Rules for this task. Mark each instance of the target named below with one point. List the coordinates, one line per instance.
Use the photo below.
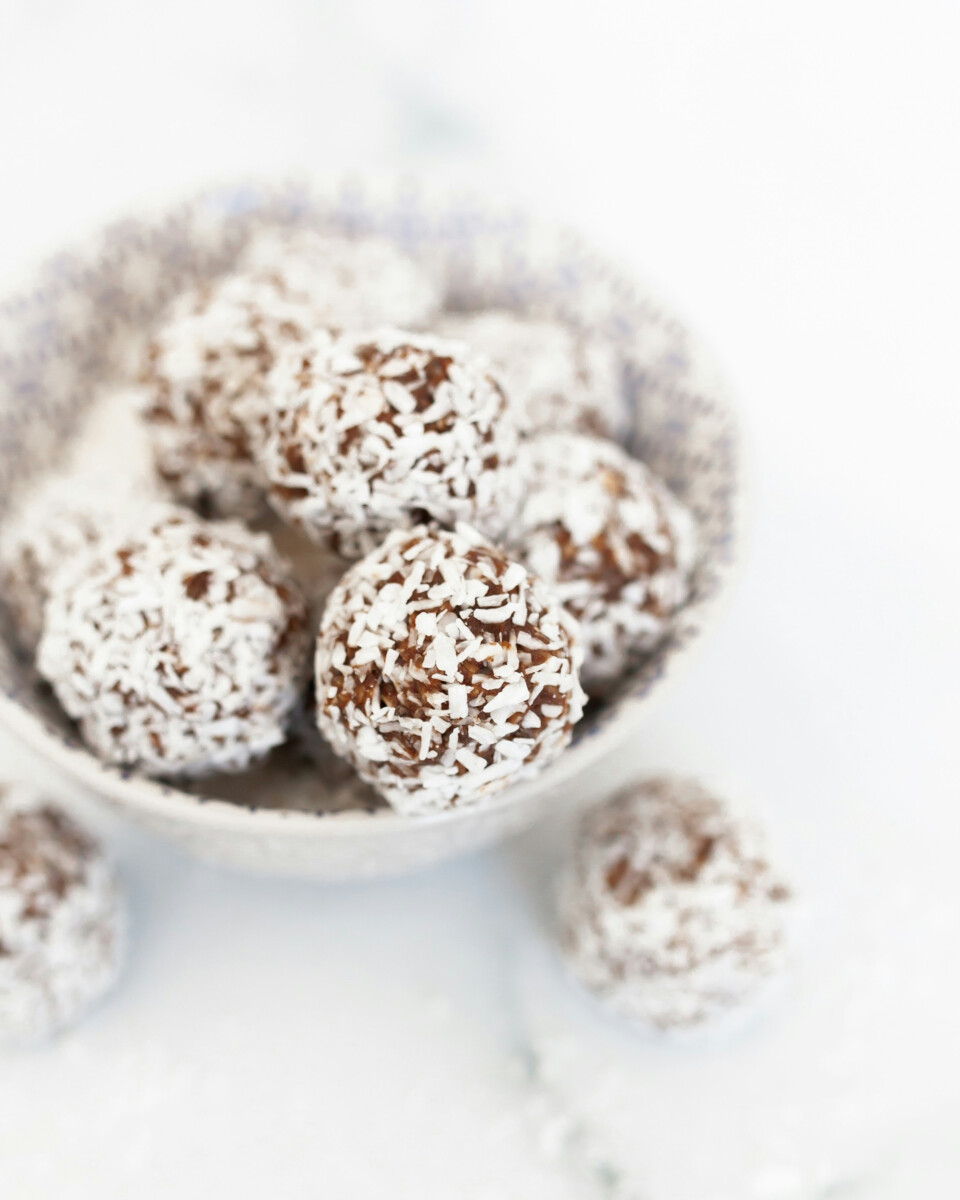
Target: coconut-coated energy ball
(204, 395)
(179, 650)
(670, 910)
(49, 532)
(348, 282)
(61, 919)
(377, 430)
(611, 539)
(445, 671)
(556, 377)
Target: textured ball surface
(555, 376)
(180, 650)
(445, 671)
(61, 922)
(347, 282)
(204, 395)
(670, 910)
(55, 528)
(613, 541)
(377, 430)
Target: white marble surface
(790, 176)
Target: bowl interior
(82, 324)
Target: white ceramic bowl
(79, 326)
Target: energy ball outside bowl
(180, 650)
(445, 671)
(557, 377)
(614, 542)
(377, 430)
(204, 396)
(348, 283)
(61, 919)
(670, 910)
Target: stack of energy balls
(485, 555)
(500, 556)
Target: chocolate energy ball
(181, 650)
(377, 430)
(61, 920)
(556, 377)
(445, 671)
(204, 395)
(670, 911)
(348, 283)
(613, 541)
(54, 528)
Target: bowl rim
(172, 805)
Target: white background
(788, 175)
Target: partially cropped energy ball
(444, 671)
(180, 650)
(377, 430)
(348, 282)
(204, 395)
(556, 377)
(61, 921)
(614, 542)
(671, 913)
(54, 529)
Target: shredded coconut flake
(347, 282)
(346, 463)
(432, 720)
(179, 650)
(61, 921)
(670, 910)
(57, 526)
(555, 376)
(613, 541)
(204, 391)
